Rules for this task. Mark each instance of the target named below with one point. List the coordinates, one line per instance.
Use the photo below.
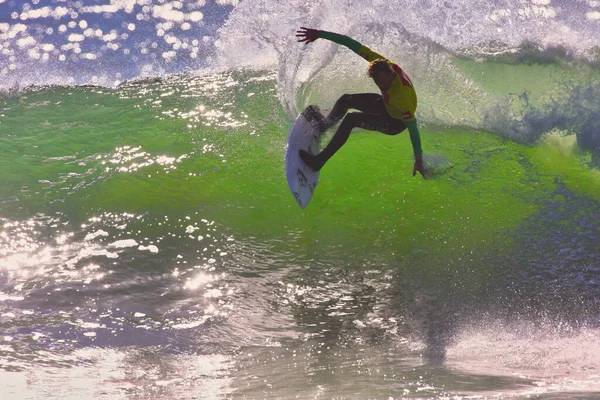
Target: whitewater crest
(83, 42)
(547, 52)
(79, 43)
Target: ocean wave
(85, 43)
(519, 69)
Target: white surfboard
(302, 180)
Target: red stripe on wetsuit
(403, 76)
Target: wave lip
(85, 43)
(88, 43)
(428, 40)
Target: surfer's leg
(316, 162)
(371, 103)
(375, 122)
(384, 124)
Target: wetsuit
(390, 113)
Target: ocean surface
(150, 247)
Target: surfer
(390, 112)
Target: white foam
(555, 356)
(151, 248)
(125, 243)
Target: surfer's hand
(307, 35)
(419, 167)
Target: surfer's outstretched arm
(308, 35)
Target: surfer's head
(382, 73)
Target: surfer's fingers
(421, 171)
(306, 40)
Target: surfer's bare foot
(311, 160)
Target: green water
(380, 270)
(82, 151)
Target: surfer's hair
(378, 66)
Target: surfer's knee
(352, 119)
(344, 101)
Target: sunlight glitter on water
(132, 159)
(87, 313)
(121, 374)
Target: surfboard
(302, 180)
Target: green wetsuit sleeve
(341, 39)
(415, 137)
